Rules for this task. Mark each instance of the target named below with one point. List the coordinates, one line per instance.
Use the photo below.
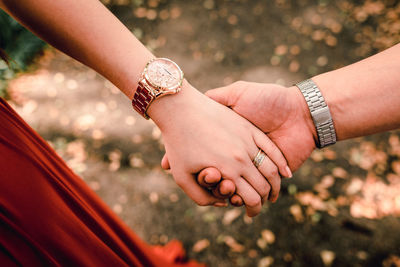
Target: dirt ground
(341, 208)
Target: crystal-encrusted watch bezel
(148, 90)
(157, 88)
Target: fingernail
(288, 172)
(205, 179)
(220, 204)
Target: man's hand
(280, 112)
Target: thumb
(165, 163)
(222, 95)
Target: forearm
(88, 32)
(364, 98)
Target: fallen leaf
(355, 186)
(294, 66)
(327, 257)
(362, 255)
(266, 261)
(339, 172)
(153, 197)
(201, 245)
(252, 253)
(326, 182)
(391, 261)
(233, 244)
(281, 50)
(329, 154)
(262, 243)
(231, 215)
(309, 199)
(268, 236)
(317, 156)
(297, 213)
(288, 257)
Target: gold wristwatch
(160, 77)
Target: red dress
(49, 216)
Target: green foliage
(21, 46)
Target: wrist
(336, 102)
(304, 114)
(165, 109)
(320, 113)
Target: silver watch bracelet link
(319, 112)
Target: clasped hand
(215, 145)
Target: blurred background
(341, 208)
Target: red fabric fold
(49, 216)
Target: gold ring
(259, 158)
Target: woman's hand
(200, 133)
(280, 112)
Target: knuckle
(273, 171)
(275, 184)
(240, 156)
(266, 190)
(264, 199)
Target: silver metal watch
(319, 112)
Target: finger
(252, 175)
(258, 181)
(250, 197)
(199, 194)
(209, 177)
(223, 95)
(225, 189)
(273, 153)
(271, 174)
(165, 163)
(236, 200)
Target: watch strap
(319, 112)
(142, 100)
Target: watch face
(164, 74)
